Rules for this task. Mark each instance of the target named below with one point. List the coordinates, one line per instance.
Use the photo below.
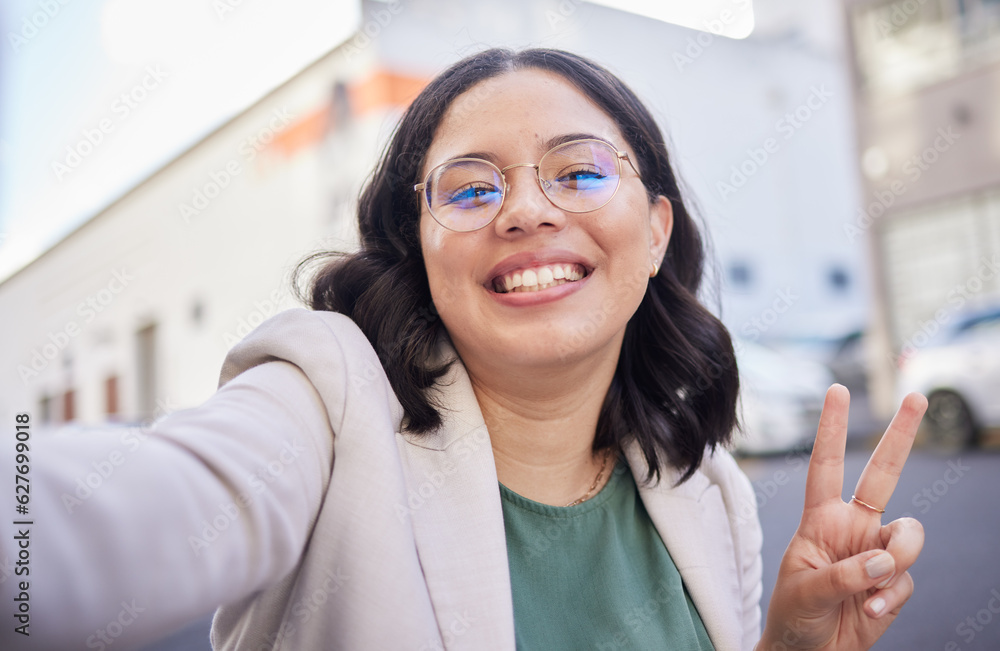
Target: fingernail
(880, 565)
(877, 605)
(886, 582)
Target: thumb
(848, 577)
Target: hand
(843, 578)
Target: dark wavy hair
(676, 384)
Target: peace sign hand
(843, 578)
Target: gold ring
(867, 505)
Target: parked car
(959, 372)
(781, 397)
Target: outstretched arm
(138, 532)
(843, 578)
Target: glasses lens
(465, 195)
(580, 176)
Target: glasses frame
(620, 155)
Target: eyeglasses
(466, 194)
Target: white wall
(147, 260)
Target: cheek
(626, 234)
(444, 263)
(627, 241)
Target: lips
(537, 278)
(533, 271)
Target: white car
(960, 375)
(781, 397)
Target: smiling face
(538, 286)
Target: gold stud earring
(656, 269)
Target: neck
(542, 424)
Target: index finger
(825, 479)
(878, 479)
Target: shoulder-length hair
(676, 384)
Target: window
(838, 279)
(905, 44)
(45, 409)
(69, 406)
(111, 397)
(740, 275)
(146, 370)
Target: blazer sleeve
(741, 505)
(138, 531)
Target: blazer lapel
(454, 504)
(692, 522)
(457, 517)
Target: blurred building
(130, 316)
(926, 80)
(132, 313)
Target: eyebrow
(555, 141)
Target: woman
(499, 428)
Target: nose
(525, 208)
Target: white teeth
(533, 280)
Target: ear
(661, 224)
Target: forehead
(513, 116)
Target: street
(956, 603)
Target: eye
(473, 195)
(581, 178)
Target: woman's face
(514, 119)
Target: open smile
(537, 278)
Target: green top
(596, 575)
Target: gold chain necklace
(593, 487)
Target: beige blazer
(292, 497)
(411, 527)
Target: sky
(95, 96)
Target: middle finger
(878, 479)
